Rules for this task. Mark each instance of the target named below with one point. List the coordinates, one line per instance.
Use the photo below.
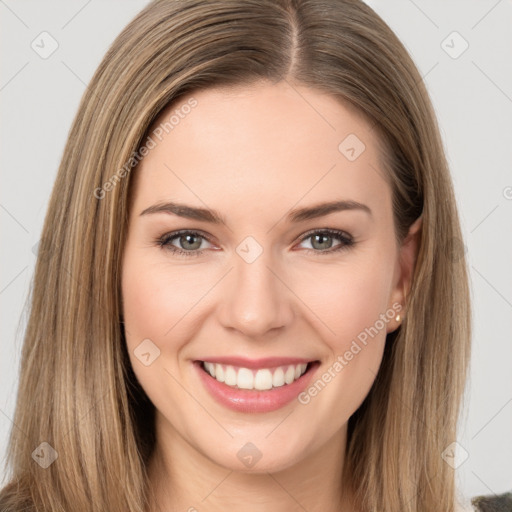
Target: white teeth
(278, 378)
(230, 376)
(245, 379)
(289, 376)
(211, 368)
(219, 372)
(261, 380)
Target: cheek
(348, 299)
(155, 305)
(144, 302)
(156, 298)
(352, 309)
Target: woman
(202, 348)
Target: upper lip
(265, 362)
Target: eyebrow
(297, 215)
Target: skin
(253, 154)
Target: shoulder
(493, 503)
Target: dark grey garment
(495, 503)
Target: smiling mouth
(260, 379)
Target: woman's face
(269, 289)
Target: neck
(183, 478)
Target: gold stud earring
(398, 318)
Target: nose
(255, 297)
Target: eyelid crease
(346, 238)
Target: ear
(404, 270)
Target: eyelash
(347, 242)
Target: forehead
(272, 143)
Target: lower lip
(248, 400)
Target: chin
(257, 457)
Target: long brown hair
(77, 391)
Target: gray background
(472, 95)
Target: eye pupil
(188, 243)
(322, 236)
(186, 238)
